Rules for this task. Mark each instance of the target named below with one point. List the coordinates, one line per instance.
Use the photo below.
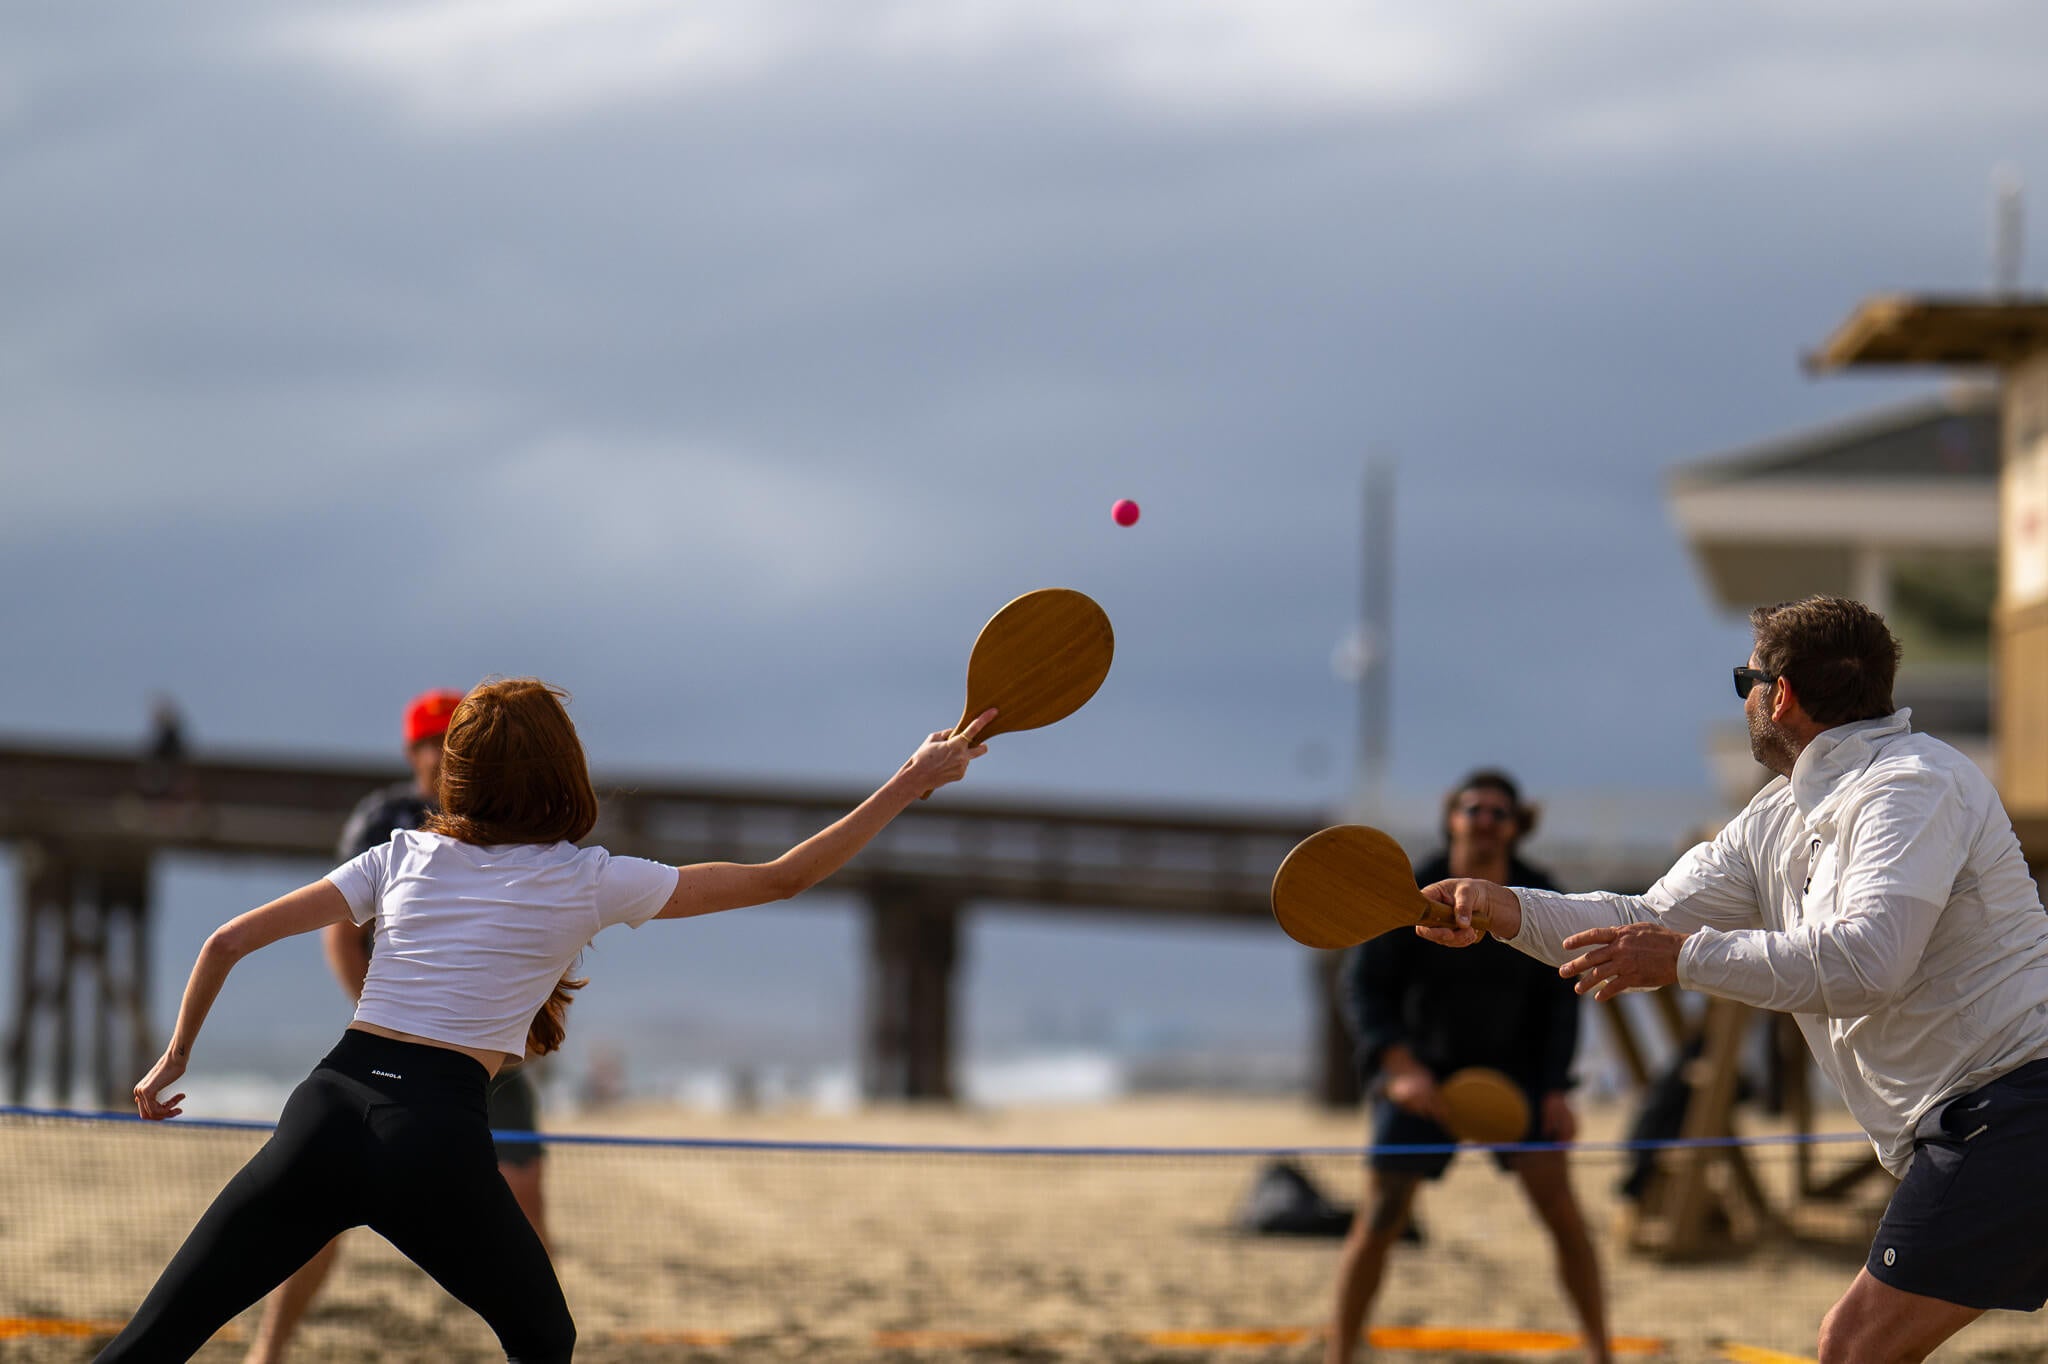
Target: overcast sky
(730, 362)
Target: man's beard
(1770, 745)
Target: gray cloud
(733, 347)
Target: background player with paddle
(1423, 1017)
(1877, 893)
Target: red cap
(427, 715)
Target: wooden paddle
(1037, 660)
(1481, 1104)
(1348, 883)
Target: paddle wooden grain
(1481, 1104)
(1037, 660)
(1347, 883)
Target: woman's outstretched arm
(302, 911)
(708, 887)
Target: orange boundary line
(1409, 1338)
(1751, 1354)
(1499, 1341)
(1382, 1337)
(12, 1328)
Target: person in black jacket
(1418, 1015)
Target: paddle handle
(1435, 915)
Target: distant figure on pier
(162, 772)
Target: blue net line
(959, 1149)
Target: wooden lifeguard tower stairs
(1707, 1198)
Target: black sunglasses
(1749, 679)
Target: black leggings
(389, 1134)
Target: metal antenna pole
(2007, 229)
(1376, 631)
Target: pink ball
(1125, 512)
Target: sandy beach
(743, 1253)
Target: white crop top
(471, 939)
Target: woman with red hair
(480, 914)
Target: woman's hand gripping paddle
(1037, 660)
(1345, 884)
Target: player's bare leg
(1874, 1323)
(525, 1183)
(1364, 1260)
(1546, 1179)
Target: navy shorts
(1969, 1223)
(1393, 1125)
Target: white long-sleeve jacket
(1879, 896)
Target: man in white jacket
(1877, 893)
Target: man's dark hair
(1838, 655)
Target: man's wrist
(1680, 976)
(1504, 914)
